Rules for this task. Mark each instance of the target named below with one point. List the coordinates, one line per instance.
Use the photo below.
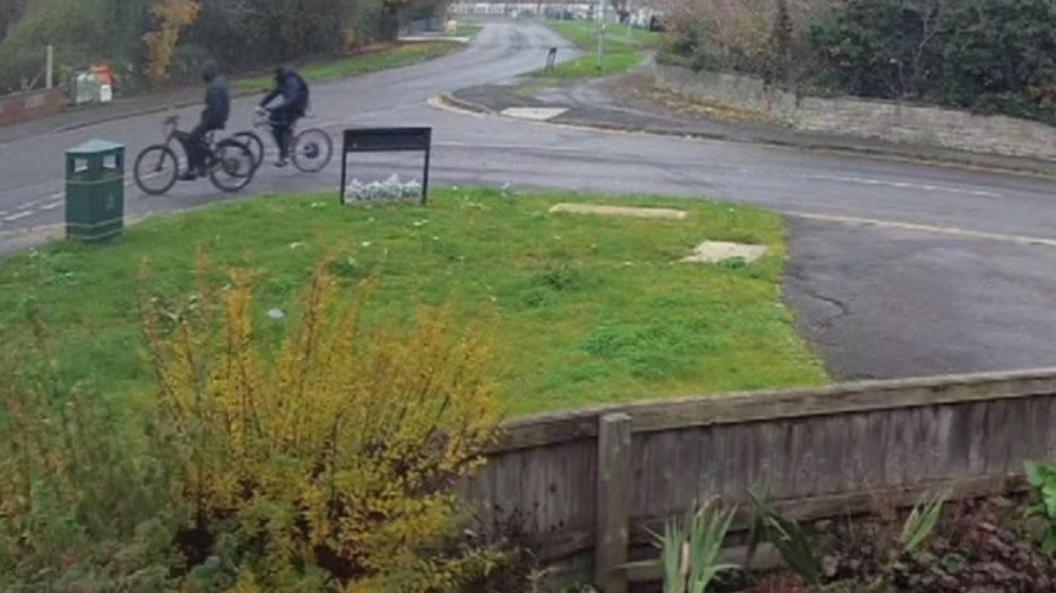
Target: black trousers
(282, 122)
(195, 146)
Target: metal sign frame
(387, 140)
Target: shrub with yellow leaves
(331, 460)
(173, 16)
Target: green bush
(83, 504)
(241, 34)
(82, 31)
(991, 56)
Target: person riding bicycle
(295, 94)
(214, 117)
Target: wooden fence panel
(820, 453)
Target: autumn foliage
(323, 464)
(173, 16)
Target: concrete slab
(713, 252)
(534, 113)
(620, 211)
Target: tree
(988, 55)
(173, 17)
(882, 48)
(1000, 56)
(10, 12)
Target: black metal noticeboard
(387, 140)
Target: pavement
(632, 103)
(900, 268)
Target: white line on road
(906, 185)
(51, 205)
(925, 228)
(29, 205)
(18, 216)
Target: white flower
(276, 314)
(389, 190)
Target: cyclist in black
(214, 117)
(294, 92)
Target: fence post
(49, 72)
(614, 502)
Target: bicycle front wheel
(312, 150)
(233, 166)
(254, 144)
(156, 169)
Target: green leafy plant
(690, 549)
(786, 535)
(922, 521)
(1043, 479)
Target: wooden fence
(590, 484)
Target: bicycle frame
(173, 132)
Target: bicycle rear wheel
(312, 150)
(232, 167)
(156, 169)
(254, 144)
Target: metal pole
(50, 68)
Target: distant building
(566, 10)
(640, 17)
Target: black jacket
(294, 92)
(217, 104)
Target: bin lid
(94, 147)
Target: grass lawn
(468, 28)
(394, 56)
(583, 310)
(625, 49)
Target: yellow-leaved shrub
(173, 16)
(329, 461)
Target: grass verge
(625, 48)
(583, 310)
(468, 28)
(394, 56)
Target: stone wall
(864, 118)
(27, 106)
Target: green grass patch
(468, 29)
(395, 56)
(587, 66)
(583, 310)
(618, 38)
(625, 49)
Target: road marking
(51, 205)
(29, 205)
(18, 216)
(925, 228)
(906, 185)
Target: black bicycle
(310, 150)
(229, 162)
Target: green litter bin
(95, 191)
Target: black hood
(210, 71)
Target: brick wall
(27, 106)
(863, 118)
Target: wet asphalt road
(899, 269)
